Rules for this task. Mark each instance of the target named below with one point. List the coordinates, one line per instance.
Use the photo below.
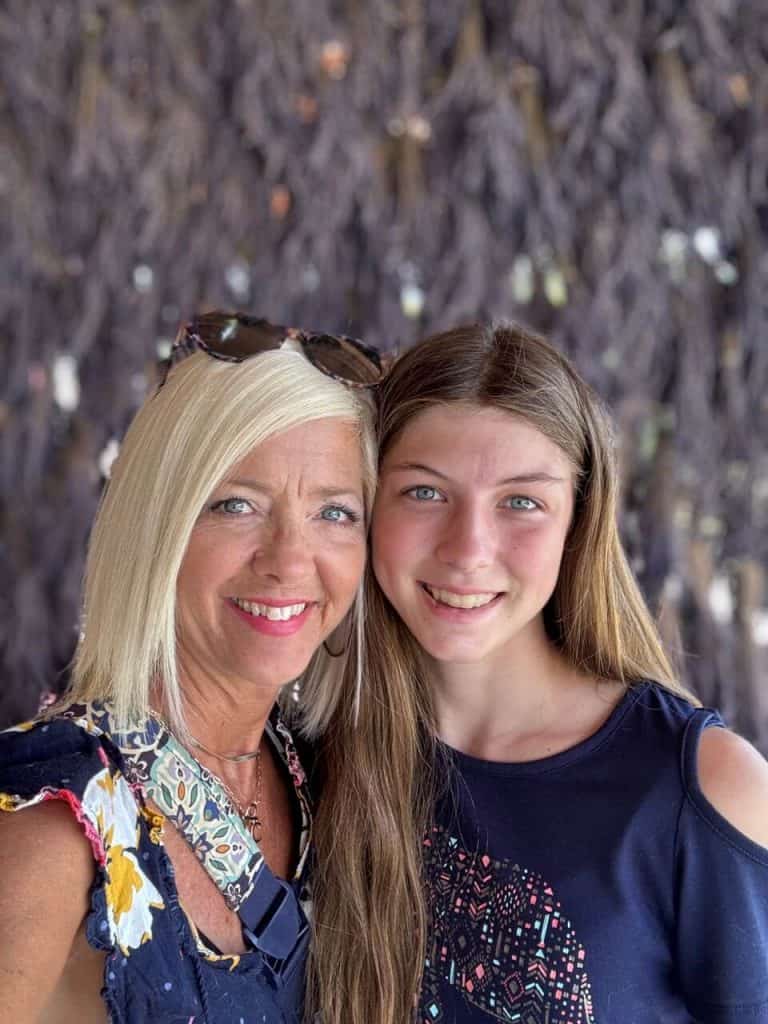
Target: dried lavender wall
(597, 169)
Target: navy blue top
(597, 886)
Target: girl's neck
(523, 704)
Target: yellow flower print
(131, 896)
(8, 802)
(123, 878)
(107, 782)
(156, 824)
(128, 904)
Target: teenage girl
(592, 842)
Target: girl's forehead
(488, 440)
(453, 422)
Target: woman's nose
(286, 555)
(467, 540)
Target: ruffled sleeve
(55, 760)
(64, 760)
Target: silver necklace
(248, 812)
(232, 758)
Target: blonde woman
(154, 861)
(593, 842)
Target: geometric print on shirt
(499, 938)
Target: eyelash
(352, 516)
(410, 492)
(218, 506)
(523, 497)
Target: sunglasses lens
(237, 337)
(343, 358)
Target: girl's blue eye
(232, 506)
(520, 504)
(424, 493)
(339, 514)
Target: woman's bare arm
(46, 870)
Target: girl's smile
(471, 517)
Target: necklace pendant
(252, 820)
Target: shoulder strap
(701, 719)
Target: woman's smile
(273, 619)
(276, 556)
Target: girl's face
(469, 525)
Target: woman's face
(469, 525)
(275, 558)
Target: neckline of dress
(192, 798)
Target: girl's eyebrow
(536, 477)
(419, 466)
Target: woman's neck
(225, 719)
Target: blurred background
(597, 170)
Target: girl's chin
(463, 652)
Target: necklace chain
(249, 812)
(232, 758)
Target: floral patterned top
(158, 967)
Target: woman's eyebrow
(337, 492)
(535, 477)
(247, 485)
(340, 491)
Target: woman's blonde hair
(381, 771)
(182, 442)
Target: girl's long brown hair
(380, 771)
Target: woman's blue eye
(232, 506)
(339, 514)
(521, 504)
(424, 493)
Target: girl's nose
(467, 541)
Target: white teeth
(269, 611)
(460, 600)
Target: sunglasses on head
(233, 337)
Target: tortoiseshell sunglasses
(234, 337)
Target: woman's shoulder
(69, 758)
(51, 752)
